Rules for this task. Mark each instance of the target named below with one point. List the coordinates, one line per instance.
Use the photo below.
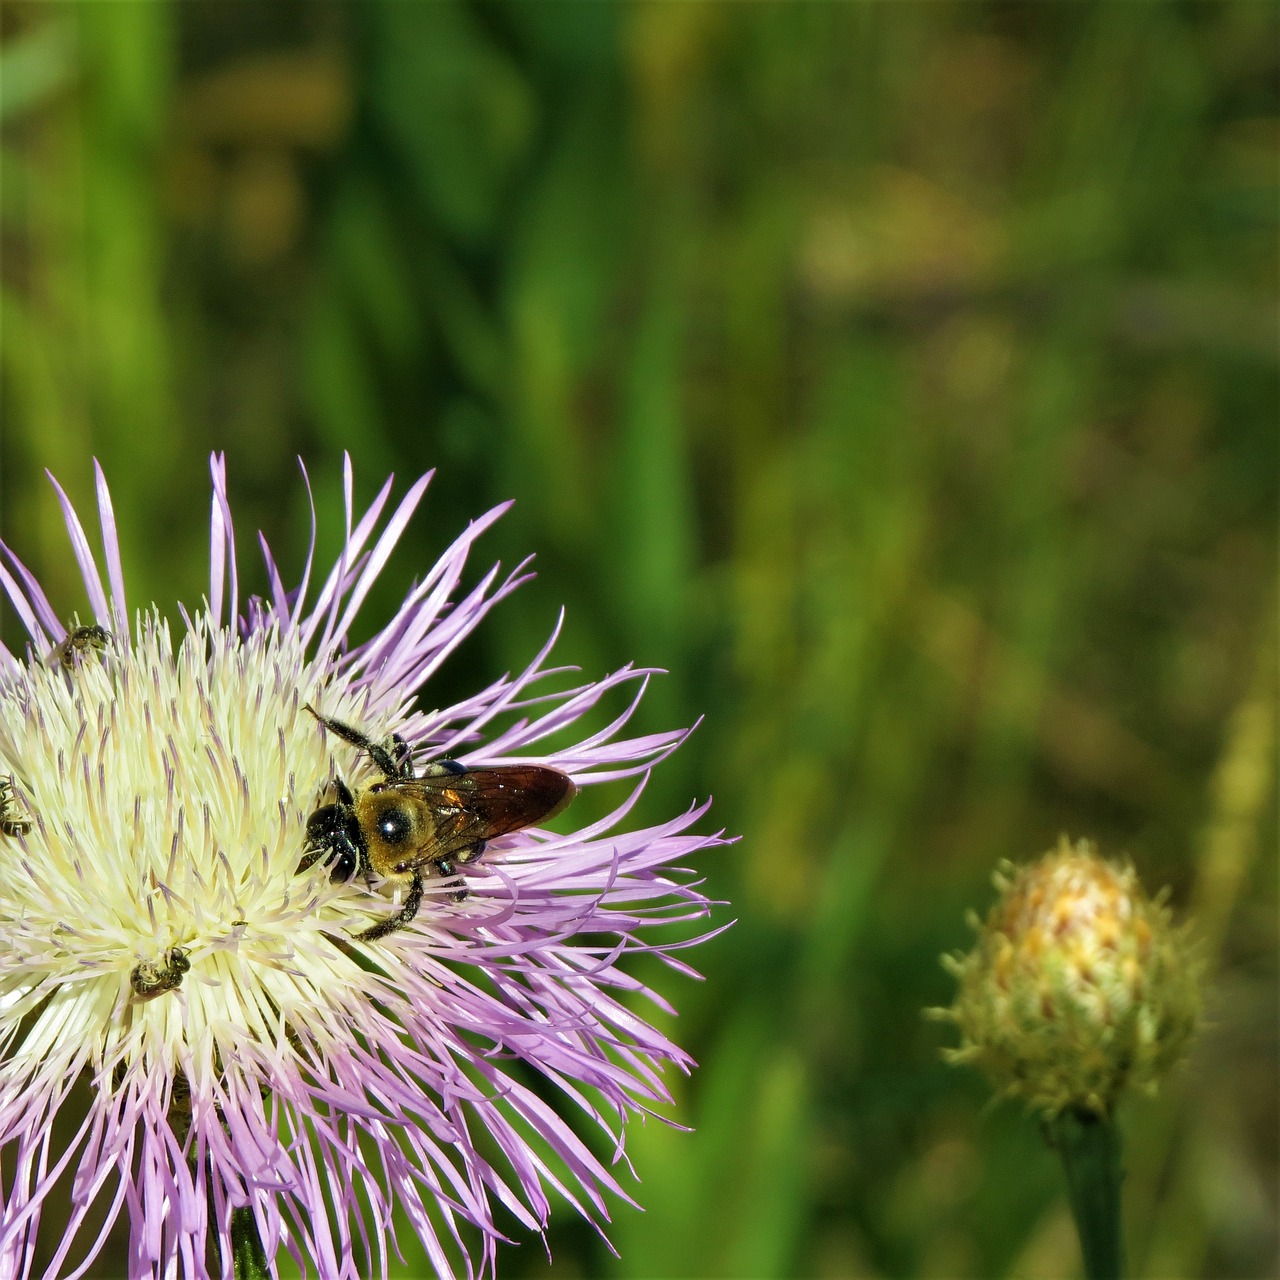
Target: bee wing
(474, 806)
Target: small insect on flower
(149, 979)
(81, 642)
(12, 822)
(260, 992)
(406, 827)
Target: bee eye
(394, 826)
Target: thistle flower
(1078, 987)
(168, 946)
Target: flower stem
(1089, 1146)
(247, 1254)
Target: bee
(406, 827)
(12, 823)
(149, 979)
(80, 642)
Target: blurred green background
(901, 376)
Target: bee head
(334, 835)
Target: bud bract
(1078, 986)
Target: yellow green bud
(1078, 987)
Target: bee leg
(412, 902)
(447, 869)
(378, 754)
(403, 755)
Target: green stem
(247, 1254)
(1089, 1146)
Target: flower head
(1078, 986)
(173, 941)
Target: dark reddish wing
(470, 808)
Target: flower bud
(1078, 987)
